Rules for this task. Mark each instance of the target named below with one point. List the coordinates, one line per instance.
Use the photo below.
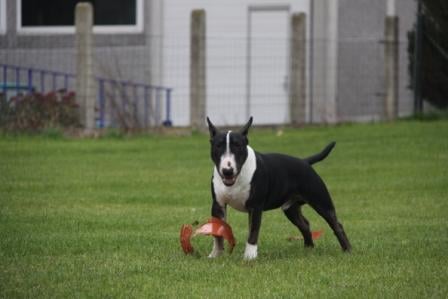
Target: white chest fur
(237, 194)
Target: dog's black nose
(227, 172)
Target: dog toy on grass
(214, 227)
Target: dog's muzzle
(228, 176)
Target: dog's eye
(238, 145)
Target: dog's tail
(320, 156)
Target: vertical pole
(30, 80)
(324, 82)
(331, 84)
(102, 100)
(5, 78)
(145, 96)
(85, 81)
(157, 106)
(17, 77)
(168, 122)
(54, 79)
(135, 104)
(311, 63)
(197, 70)
(248, 63)
(66, 82)
(297, 104)
(124, 96)
(418, 40)
(42, 82)
(391, 68)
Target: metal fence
(147, 76)
(130, 96)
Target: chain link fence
(143, 80)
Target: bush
(37, 111)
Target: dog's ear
(211, 128)
(245, 129)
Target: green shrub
(37, 111)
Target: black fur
(279, 181)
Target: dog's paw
(218, 248)
(250, 253)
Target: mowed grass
(101, 218)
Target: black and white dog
(252, 182)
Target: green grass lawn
(101, 218)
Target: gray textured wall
(124, 55)
(361, 58)
(358, 66)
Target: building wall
(124, 55)
(361, 59)
(345, 65)
(361, 83)
(227, 58)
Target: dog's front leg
(218, 242)
(251, 250)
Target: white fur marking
(228, 142)
(228, 158)
(288, 204)
(250, 252)
(237, 194)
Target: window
(56, 16)
(2, 16)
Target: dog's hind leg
(294, 214)
(329, 214)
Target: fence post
(197, 70)
(417, 80)
(391, 67)
(297, 85)
(85, 81)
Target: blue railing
(25, 79)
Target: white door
(267, 67)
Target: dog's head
(229, 151)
